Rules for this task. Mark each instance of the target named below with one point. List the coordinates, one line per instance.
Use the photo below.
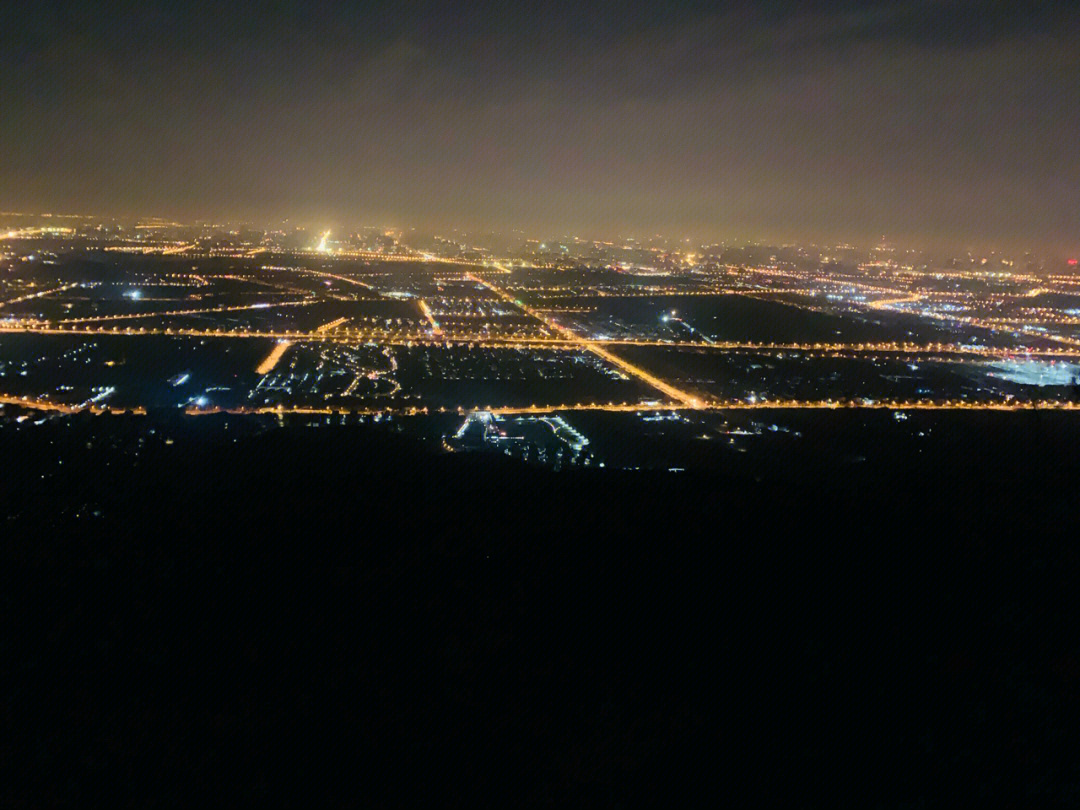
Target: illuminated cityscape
(539, 404)
(107, 318)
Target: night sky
(929, 122)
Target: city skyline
(338, 232)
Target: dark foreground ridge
(341, 617)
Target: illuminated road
(554, 343)
(661, 386)
(665, 388)
(169, 248)
(661, 292)
(177, 312)
(332, 325)
(42, 294)
(272, 359)
(426, 312)
(887, 303)
(39, 404)
(654, 407)
(324, 274)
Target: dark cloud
(929, 120)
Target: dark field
(251, 614)
(140, 369)
(747, 375)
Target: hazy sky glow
(931, 121)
